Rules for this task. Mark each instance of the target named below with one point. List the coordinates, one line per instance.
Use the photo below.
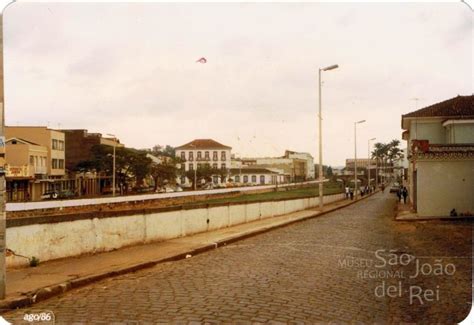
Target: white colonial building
(441, 157)
(201, 152)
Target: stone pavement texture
(336, 268)
(24, 284)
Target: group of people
(363, 191)
(402, 192)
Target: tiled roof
(246, 170)
(460, 106)
(203, 144)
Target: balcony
(41, 170)
(24, 171)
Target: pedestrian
(399, 194)
(383, 188)
(351, 193)
(405, 194)
(347, 192)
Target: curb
(44, 293)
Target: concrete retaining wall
(48, 241)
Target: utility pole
(2, 174)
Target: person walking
(347, 192)
(405, 194)
(351, 193)
(399, 194)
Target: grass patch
(329, 188)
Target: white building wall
(443, 186)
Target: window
(191, 156)
(223, 166)
(246, 179)
(60, 145)
(214, 155)
(36, 161)
(55, 164)
(32, 160)
(191, 166)
(183, 179)
(182, 166)
(254, 179)
(215, 179)
(262, 179)
(198, 166)
(55, 144)
(222, 155)
(61, 163)
(199, 156)
(237, 179)
(183, 155)
(214, 166)
(206, 155)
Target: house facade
(52, 166)
(53, 140)
(26, 164)
(201, 152)
(310, 171)
(256, 176)
(440, 148)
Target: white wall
(64, 239)
(22, 206)
(444, 185)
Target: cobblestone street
(334, 268)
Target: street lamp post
(355, 156)
(368, 162)
(113, 164)
(320, 171)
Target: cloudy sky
(130, 70)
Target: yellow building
(26, 162)
(35, 160)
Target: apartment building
(25, 163)
(53, 140)
(79, 145)
(440, 145)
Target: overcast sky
(130, 70)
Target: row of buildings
(291, 167)
(39, 160)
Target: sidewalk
(405, 212)
(26, 286)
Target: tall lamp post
(113, 164)
(368, 162)
(2, 176)
(320, 172)
(355, 156)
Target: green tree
(329, 172)
(202, 173)
(164, 172)
(130, 164)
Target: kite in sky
(202, 60)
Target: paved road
(322, 270)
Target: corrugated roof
(460, 106)
(203, 144)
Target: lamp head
(331, 67)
